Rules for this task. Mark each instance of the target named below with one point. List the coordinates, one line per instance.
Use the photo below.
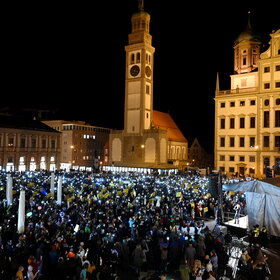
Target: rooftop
(22, 123)
(164, 121)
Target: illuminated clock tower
(139, 75)
(139, 144)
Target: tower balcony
(242, 91)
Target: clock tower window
(147, 89)
(132, 58)
(138, 57)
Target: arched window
(132, 58)
(138, 57)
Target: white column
(59, 190)
(21, 212)
(9, 190)
(52, 184)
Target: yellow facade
(247, 117)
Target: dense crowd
(113, 227)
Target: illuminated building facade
(28, 145)
(83, 146)
(247, 117)
(144, 142)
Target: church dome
(248, 35)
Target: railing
(228, 216)
(237, 91)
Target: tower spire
(217, 83)
(141, 5)
(249, 20)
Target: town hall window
(242, 122)
(277, 141)
(222, 123)
(277, 118)
(266, 141)
(231, 123)
(252, 122)
(266, 118)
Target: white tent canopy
(263, 203)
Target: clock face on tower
(134, 70)
(148, 71)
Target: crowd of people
(112, 227)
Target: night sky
(70, 57)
